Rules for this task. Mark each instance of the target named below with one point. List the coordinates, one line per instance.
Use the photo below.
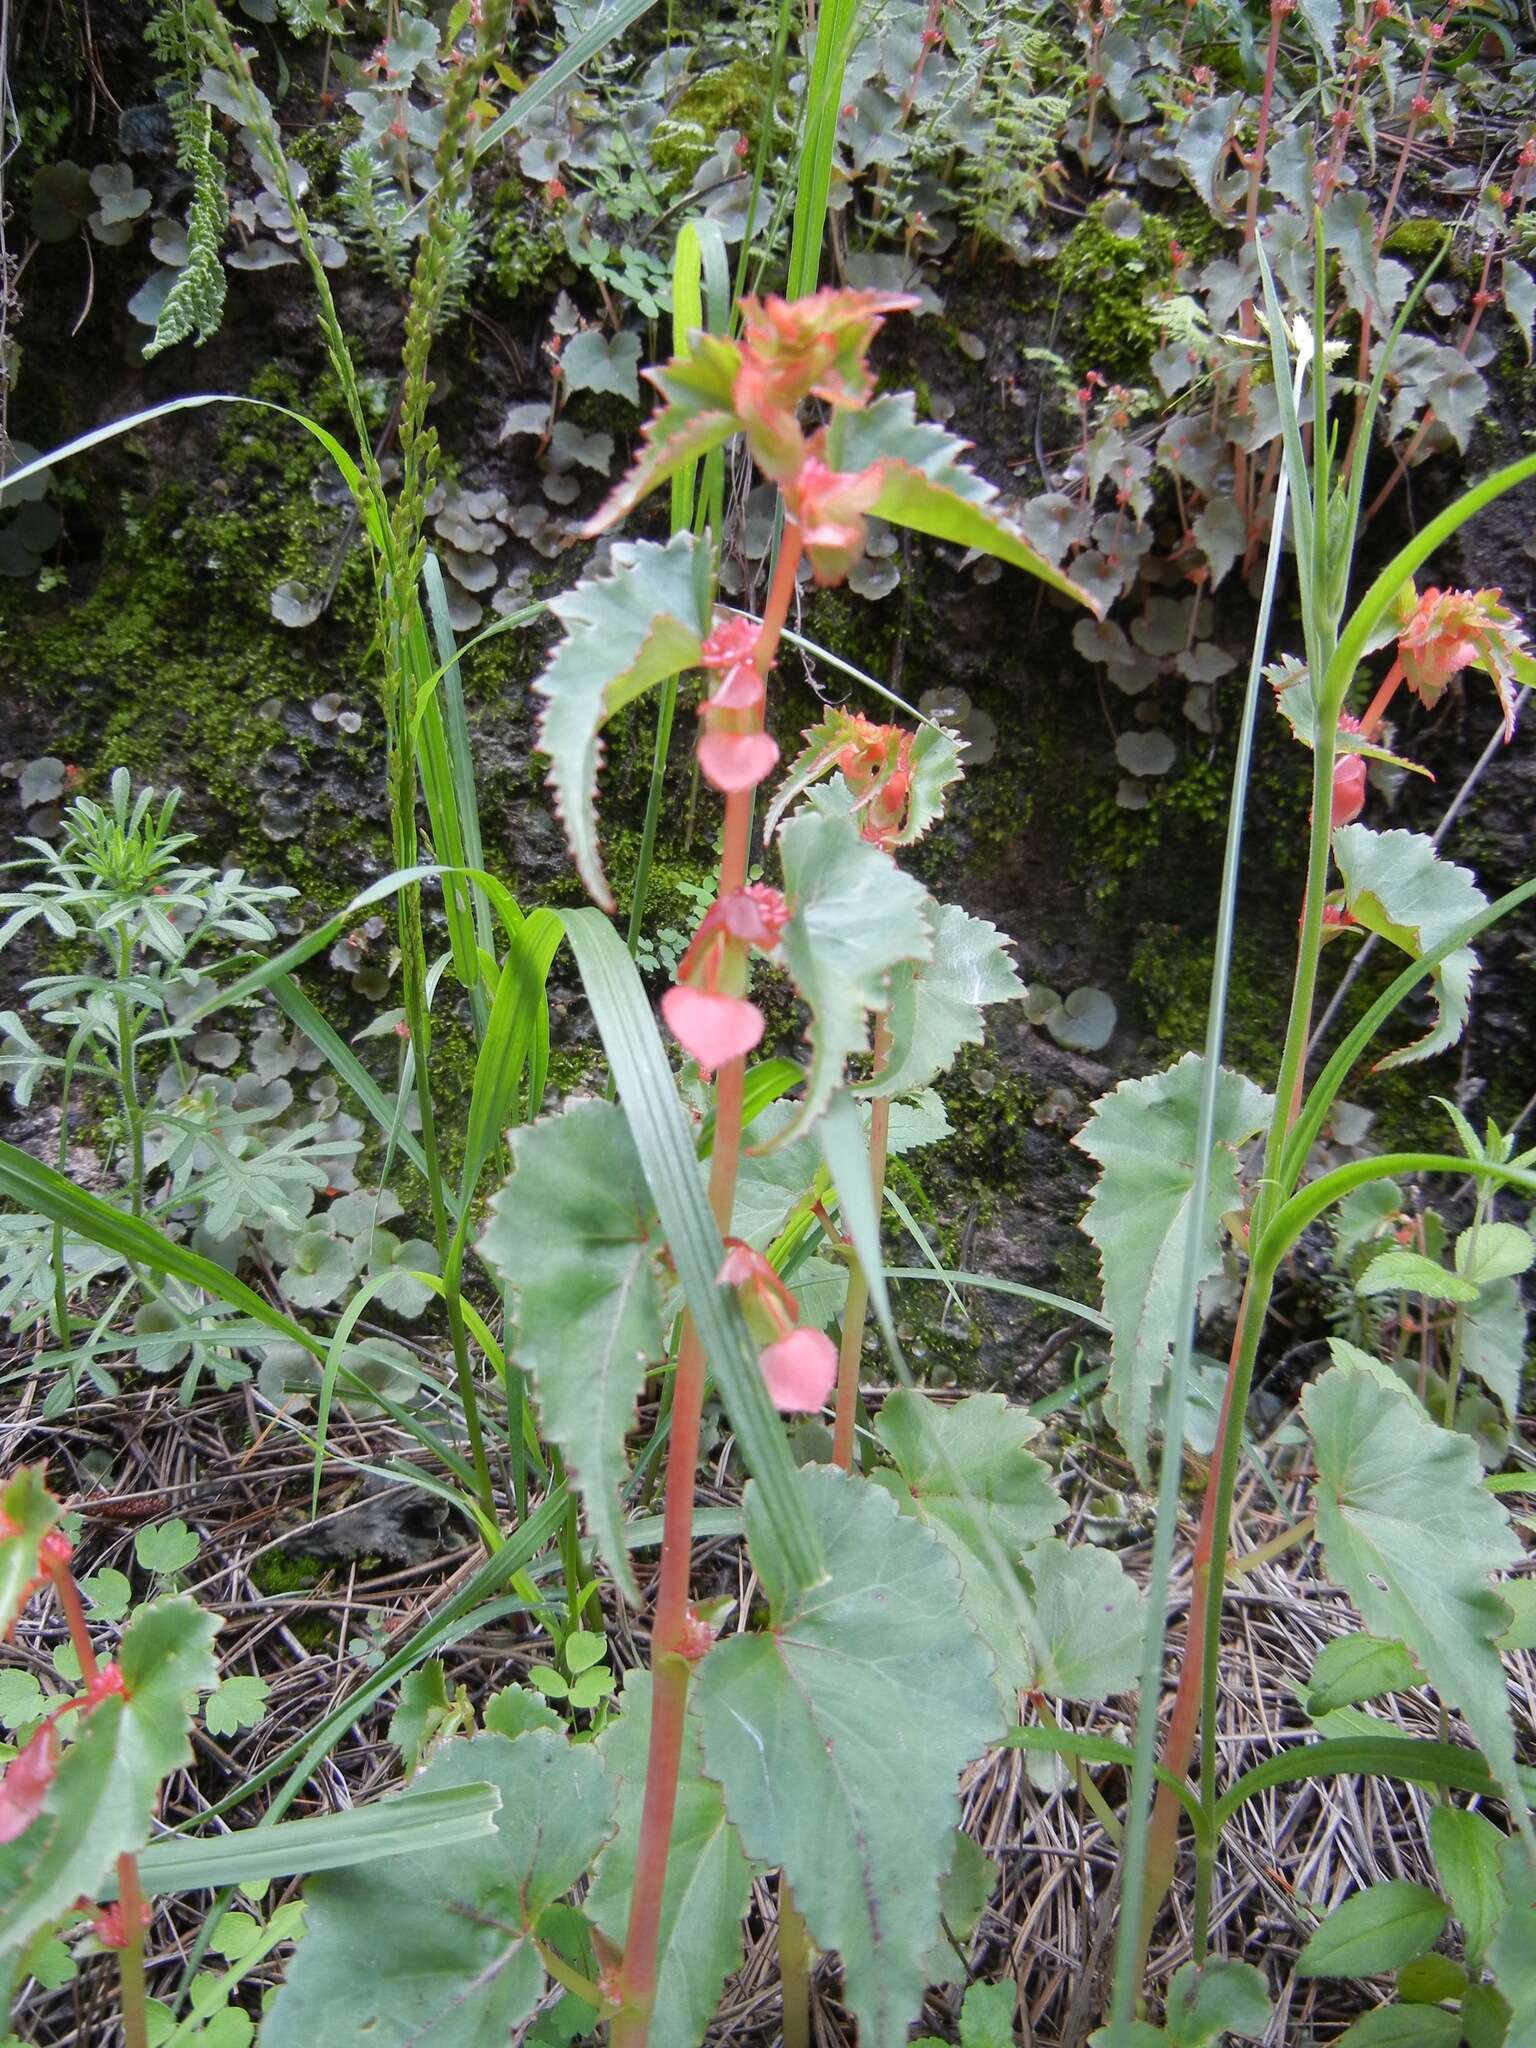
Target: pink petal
(25, 1781)
(734, 761)
(713, 1028)
(1349, 775)
(801, 1371)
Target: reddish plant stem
(129, 1892)
(669, 1669)
(1377, 708)
(130, 1965)
(858, 1287)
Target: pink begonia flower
(1349, 777)
(755, 915)
(828, 506)
(24, 1782)
(741, 689)
(733, 761)
(712, 1028)
(1450, 630)
(800, 1371)
(731, 640)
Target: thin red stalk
(129, 1892)
(858, 1287)
(130, 1964)
(669, 1669)
(1376, 710)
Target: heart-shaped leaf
(571, 1235)
(435, 1950)
(871, 1681)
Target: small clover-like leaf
(624, 632)
(1396, 885)
(570, 1235)
(1206, 2002)
(592, 361)
(239, 1702)
(165, 1547)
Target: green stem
(127, 1079)
(794, 1970)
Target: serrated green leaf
(570, 1233)
(110, 1594)
(1090, 1615)
(1357, 1667)
(1493, 1251)
(514, 1711)
(239, 1702)
(1374, 1930)
(1400, 1271)
(708, 1882)
(1430, 1980)
(936, 1004)
(30, 1511)
(623, 632)
(377, 1970)
(1143, 1137)
(853, 918)
(1396, 885)
(966, 1465)
(1511, 1950)
(1403, 2026)
(986, 2016)
(102, 1798)
(968, 1886)
(698, 415)
(22, 1700)
(1412, 1534)
(927, 487)
(1493, 1330)
(1206, 2003)
(872, 1680)
(1467, 1847)
(424, 1706)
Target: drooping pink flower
(110, 1926)
(734, 761)
(731, 640)
(828, 506)
(755, 915)
(1349, 778)
(800, 1371)
(1450, 630)
(24, 1782)
(713, 1028)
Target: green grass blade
(384, 1110)
(31, 1185)
(823, 102)
(845, 1148)
(456, 728)
(670, 1163)
(1078, 1309)
(1382, 1756)
(411, 1824)
(621, 15)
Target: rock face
(158, 646)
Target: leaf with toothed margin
(699, 414)
(1143, 1137)
(927, 487)
(1397, 886)
(624, 632)
(1293, 699)
(936, 1005)
(101, 1802)
(854, 917)
(571, 1235)
(933, 763)
(708, 1883)
(839, 1733)
(29, 1511)
(1412, 1534)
